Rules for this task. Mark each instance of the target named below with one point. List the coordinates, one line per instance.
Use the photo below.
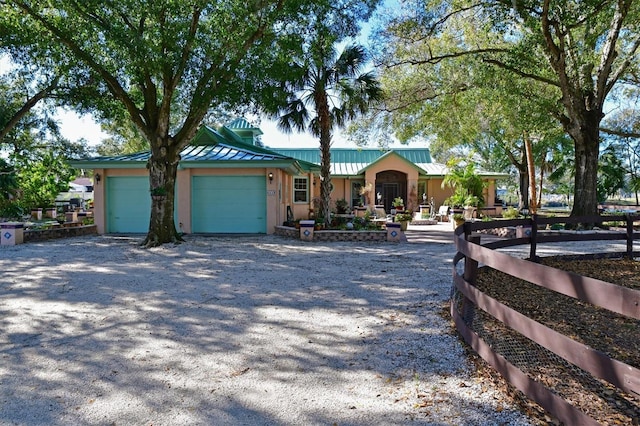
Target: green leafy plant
(466, 183)
(472, 200)
(398, 202)
(403, 217)
(511, 213)
(342, 206)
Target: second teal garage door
(229, 204)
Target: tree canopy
(579, 49)
(331, 89)
(165, 64)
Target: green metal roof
(356, 155)
(242, 124)
(209, 148)
(353, 162)
(232, 146)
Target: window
(300, 190)
(356, 198)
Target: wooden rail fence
(621, 300)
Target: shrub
(511, 213)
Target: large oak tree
(166, 63)
(579, 48)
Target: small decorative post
(394, 232)
(36, 214)
(11, 233)
(306, 229)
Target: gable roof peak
(242, 124)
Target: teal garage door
(128, 204)
(229, 204)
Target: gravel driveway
(253, 330)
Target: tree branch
(205, 88)
(621, 133)
(111, 81)
(609, 50)
(31, 102)
(437, 59)
(521, 73)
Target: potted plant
(342, 206)
(398, 203)
(458, 219)
(404, 219)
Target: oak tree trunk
(163, 167)
(584, 129)
(585, 201)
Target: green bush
(511, 213)
(11, 210)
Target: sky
(74, 127)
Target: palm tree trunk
(324, 119)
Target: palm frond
(295, 117)
(350, 61)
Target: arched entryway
(391, 184)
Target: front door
(389, 192)
(391, 184)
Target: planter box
(394, 233)
(71, 216)
(52, 213)
(11, 233)
(306, 229)
(36, 214)
(360, 211)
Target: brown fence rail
(470, 308)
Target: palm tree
(330, 90)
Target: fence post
(471, 265)
(629, 235)
(534, 236)
(470, 275)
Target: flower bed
(334, 235)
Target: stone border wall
(59, 232)
(334, 235)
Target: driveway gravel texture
(234, 330)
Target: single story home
(227, 182)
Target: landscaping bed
(63, 231)
(334, 235)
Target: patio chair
(380, 217)
(443, 214)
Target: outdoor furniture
(443, 214)
(380, 217)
